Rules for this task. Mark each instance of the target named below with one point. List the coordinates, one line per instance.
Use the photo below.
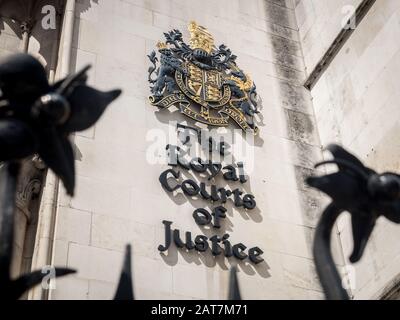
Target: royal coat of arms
(203, 81)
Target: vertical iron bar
(325, 265)
(8, 186)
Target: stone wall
(356, 104)
(119, 199)
(319, 23)
(9, 41)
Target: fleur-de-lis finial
(362, 192)
(37, 118)
(234, 291)
(125, 285)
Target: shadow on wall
(198, 258)
(165, 116)
(296, 105)
(226, 227)
(12, 15)
(198, 202)
(207, 259)
(85, 5)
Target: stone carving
(203, 81)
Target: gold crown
(161, 45)
(200, 37)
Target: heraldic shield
(203, 81)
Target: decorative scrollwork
(203, 81)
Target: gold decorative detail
(243, 85)
(200, 38)
(161, 45)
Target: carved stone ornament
(203, 81)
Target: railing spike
(125, 286)
(234, 291)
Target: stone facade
(20, 31)
(119, 199)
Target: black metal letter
(218, 213)
(203, 191)
(215, 168)
(167, 225)
(189, 242)
(230, 175)
(238, 251)
(215, 248)
(201, 243)
(238, 201)
(224, 194)
(202, 217)
(198, 165)
(254, 255)
(227, 246)
(164, 179)
(249, 202)
(190, 188)
(242, 175)
(177, 239)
